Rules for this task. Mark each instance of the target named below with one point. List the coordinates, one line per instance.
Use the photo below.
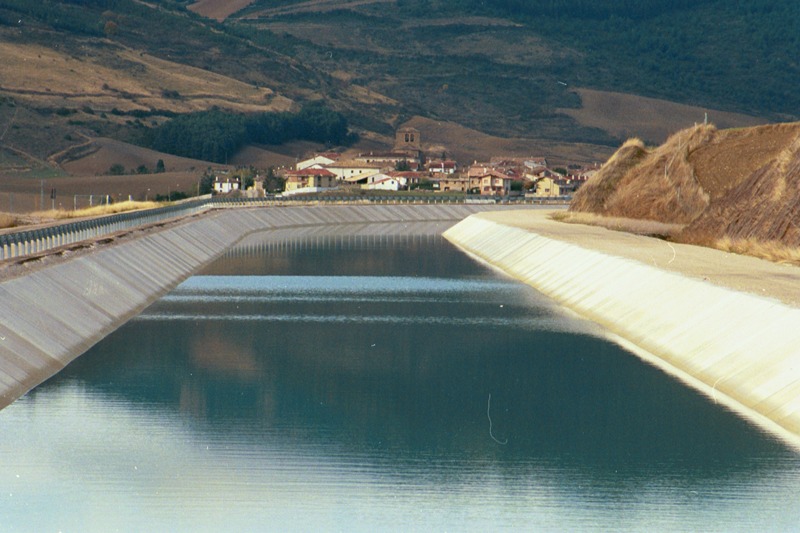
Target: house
(441, 166)
(322, 159)
(549, 187)
(476, 170)
(353, 171)
(453, 183)
(535, 162)
(387, 159)
(309, 180)
(541, 172)
(494, 183)
(407, 177)
(382, 182)
(225, 185)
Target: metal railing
(38, 240)
(33, 241)
(325, 199)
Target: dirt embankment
(218, 9)
(723, 185)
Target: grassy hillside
(734, 188)
(737, 56)
(536, 74)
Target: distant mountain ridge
(506, 68)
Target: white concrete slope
(741, 349)
(52, 314)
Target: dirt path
(313, 6)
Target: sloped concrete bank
(683, 315)
(55, 312)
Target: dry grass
(8, 221)
(769, 250)
(774, 251)
(654, 184)
(626, 115)
(96, 211)
(732, 156)
(598, 192)
(629, 225)
(55, 78)
(466, 144)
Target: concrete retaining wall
(740, 349)
(53, 314)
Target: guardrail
(313, 199)
(38, 240)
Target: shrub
(116, 169)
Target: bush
(216, 135)
(117, 169)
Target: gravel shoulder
(741, 273)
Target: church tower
(408, 140)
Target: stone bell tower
(407, 140)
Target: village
(407, 168)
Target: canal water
(362, 382)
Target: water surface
(376, 383)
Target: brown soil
(651, 119)
(21, 195)
(219, 9)
(465, 144)
(97, 156)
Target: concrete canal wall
(712, 319)
(52, 313)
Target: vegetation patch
(96, 211)
(775, 251)
(8, 221)
(650, 228)
(217, 135)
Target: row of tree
(216, 135)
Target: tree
(110, 28)
(206, 183)
(117, 169)
(273, 183)
(160, 166)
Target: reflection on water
(423, 393)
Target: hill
(726, 187)
(572, 76)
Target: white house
(319, 160)
(382, 182)
(442, 167)
(354, 172)
(226, 184)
